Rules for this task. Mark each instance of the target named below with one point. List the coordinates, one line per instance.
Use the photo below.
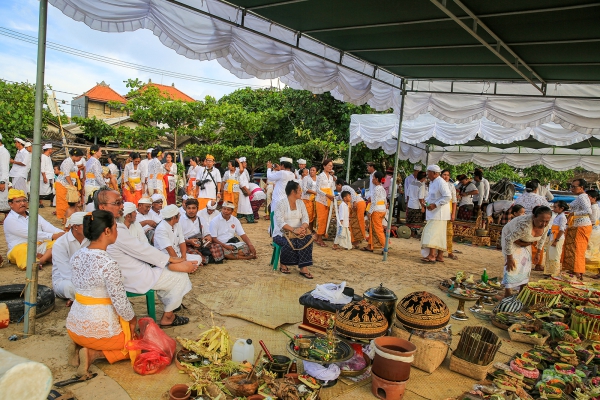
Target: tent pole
(349, 159)
(395, 176)
(427, 156)
(36, 159)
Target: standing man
(280, 175)
(481, 199)
(387, 184)
(208, 183)
(143, 166)
(410, 179)
(465, 192)
(46, 175)
(301, 165)
(244, 165)
(371, 170)
(20, 168)
(433, 239)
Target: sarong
(169, 186)
(191, 186)
(20, 183)
(89, 190)
(592, 255)
(61, 200)
(434, 235)
(520, 275)
(356, 230)
(376, 230)
(576, 242)
(137, 193)
(172, 286)
(256, 204)
(449, 236)
(323, 213)
(202, 202)
(113, 347)
(553, 253)
(342, 238)
(414, 216)
(301, 258)
(310, 209)
(465, 212)
(18, 254)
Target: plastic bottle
(484, 276)
(243, 350)
(293, 367)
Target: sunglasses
(115, 203)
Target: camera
(202, 183)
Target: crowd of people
(122, 233)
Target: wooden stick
(254, 365)
(264, 347)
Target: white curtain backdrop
(247, 54)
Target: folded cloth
(332, 293)
(317, 371)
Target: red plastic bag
(157, 348)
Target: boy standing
(342, 238)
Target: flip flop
(453, 257)
(178, 321)
(440, 261)
(55, 395)
(284, 271)
(307, 275)
(366, 249)
(77, 379)
(427, 260)
(321, 244)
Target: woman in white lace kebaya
(101, 320)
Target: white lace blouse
(284, 215)
(308, 184)
(155, 168)
(66, 167)
(324, 180)
(519, 228)
(96, 274)
(93, 166)
(581, 208)
(378, 200)
(531, 200)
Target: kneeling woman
(101, 320)
(517, 238)
(291, 232)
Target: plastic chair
(276, 249)
(149, 302)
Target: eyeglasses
(20, 201)
(115, 203)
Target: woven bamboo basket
(523, 338)
(430, 353)
(477, 345)
(534, 293)
(574, 296)
(471, 370)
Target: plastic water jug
(243, 350)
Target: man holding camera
(208, 181)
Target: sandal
(452, 257)
(321, 244)
(178, 321)
(440, 261)
(307, 275)
(366, 249)
(427, 260)
(284, 271)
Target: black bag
(233, 240)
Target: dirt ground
(402, 272)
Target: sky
(75, 75)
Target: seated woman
(517, 237)
(291, 232)
(101, 320)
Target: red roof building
(94, 102)
(171, 92)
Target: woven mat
(270, 303)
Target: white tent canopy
(480, 140)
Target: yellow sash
(74, 176)
(327, 191)
(136, 183)
(97, 301)
(230, 183)
(90, 175)
(380, 203)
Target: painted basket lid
(422, 310)
(361, 320)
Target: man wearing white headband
(46, 174)
(223, 231)
(62, 251)
(144, 267)
(301, 165)
(196, 234)
(169, 236)
(433, 239)
(410, 179)
(209, 213)
(158, 201)
(143, 167)
(280, 175)
(129, 219)
(21, 165)
(147, 220)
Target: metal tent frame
(414, 42)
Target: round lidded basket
(361, 320)
(422, 310)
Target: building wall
(102, 110)
(79, 107)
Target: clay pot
(239, 386)
(390, 369)
(179, 392)
(388, 390)
(280, 366)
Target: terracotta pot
(390, 369)
(179, 392)
(388, 390)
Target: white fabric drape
(246, 54)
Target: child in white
(342, 238)
(556, 239)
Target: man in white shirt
(169, 276)
(223, 230)
(129, 219)
(301, 165)
(208, 214)
(195, 231)
(411, 178)
(157, 205)
(21, 164)
(280, 175)
(144, 217)
(481, 199)
(371, 170)
(433, 239)
(244, 164)
(46, 174)
(464, 193)
(208, 183)
(415, 194)
(169, 236)
(16, 232)
(62, 251)
(143, 166)
(4, 162)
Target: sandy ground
(402, 272)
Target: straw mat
(270, 303)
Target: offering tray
(343, 352)
(460, 314)
(485, 296)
